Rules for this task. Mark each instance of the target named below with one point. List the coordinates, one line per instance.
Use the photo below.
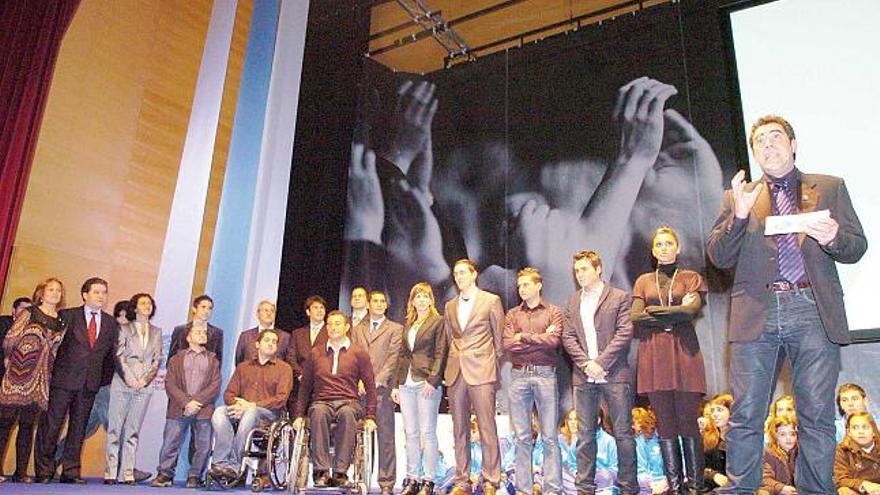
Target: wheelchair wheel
(297, 475)
(363, 459)
(278, 453)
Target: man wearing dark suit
(473, 322)
(597, 332)
(303, 340)
(246, 348)
(382, 339)
(202, 307)
(85, 361)
(787, 297)
(6, 321)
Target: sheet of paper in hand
(791, 224)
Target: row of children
(857, 459)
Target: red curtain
(30, 37)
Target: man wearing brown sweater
(256, 394)
(329, 392)
(192, 383)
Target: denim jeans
(618, 397)
(126, 415)
(529, 388)
(793, 326)
(228, 441)
(420, 427)
(172, 439)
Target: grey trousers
(125, 417)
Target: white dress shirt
(465, 306)
(143, 329)
(357, 315)
(589, 305)
(375, 324)
(411, 340)
(314, 330)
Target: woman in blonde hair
(670, 365)
(780, 455)
(417, 387)
(30, 348)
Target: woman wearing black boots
(670, 365)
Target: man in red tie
(85, 362)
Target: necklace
(668, 292)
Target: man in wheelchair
(255, 396)
(329, 392)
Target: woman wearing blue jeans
(418, 391)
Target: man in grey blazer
(382, 338)
(474, 322)
(786, 297)
(597, 332)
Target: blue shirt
(568, 453)
(650, 460)
(606, 451)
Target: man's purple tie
(791, 260)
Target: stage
(96, 485)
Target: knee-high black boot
(671, 452)
(694, 463)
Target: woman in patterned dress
(30, 348)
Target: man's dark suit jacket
(77, 365)
(614, 332)
(175, 387)
(427, 358)
(246, 348)
(301, 347)
(6, 322)
(742, 244)
(178, 340)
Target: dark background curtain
(30, 38)
(336, 39)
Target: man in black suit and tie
(304, 339)
(202, 308)
(6, 321)
(246, 348)
(85, 361)
(786, 297)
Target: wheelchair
(299, 473)
(267, 454)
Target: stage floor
(95, 486)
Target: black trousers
(27, 418)
(77, 405)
